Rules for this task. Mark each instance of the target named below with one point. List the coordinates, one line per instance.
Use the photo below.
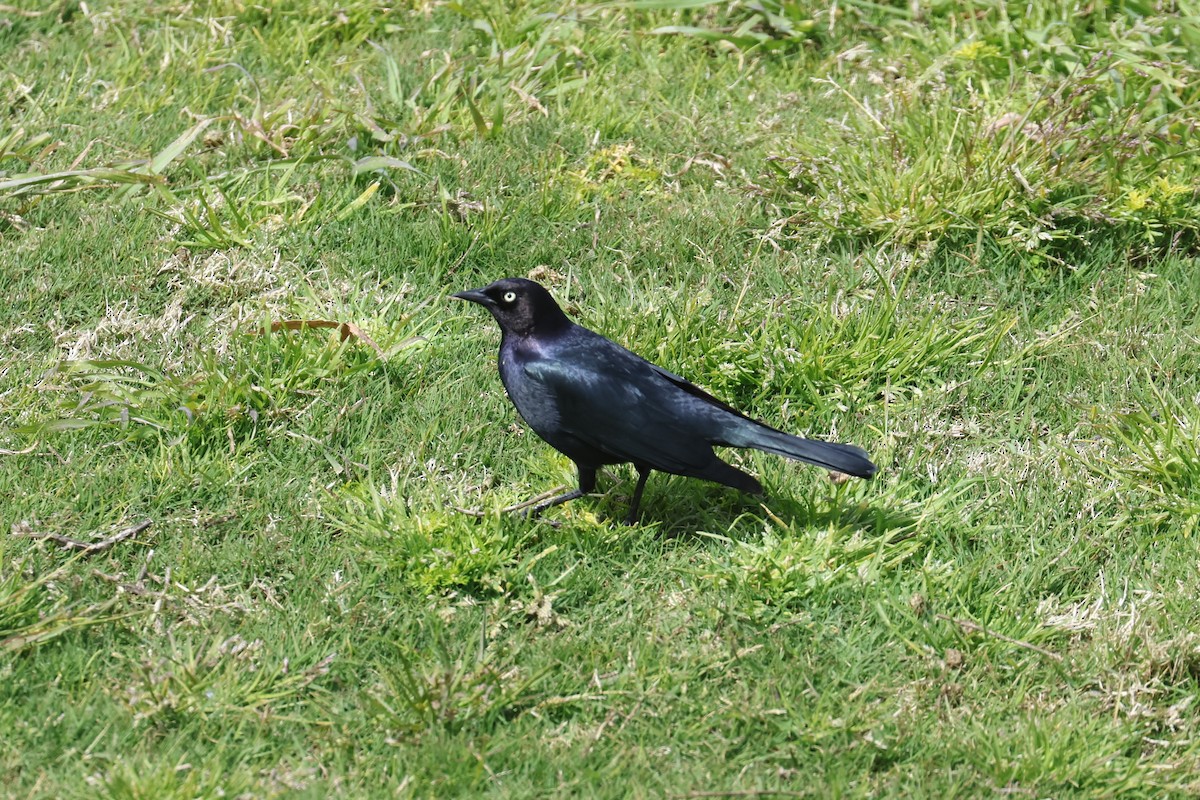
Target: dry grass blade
(742, 793)
(73, 180)
(347, 330)
(86, 548)
(975, 627)
(55, 625)
(533, 501)
(20, 12)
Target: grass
(962, 240)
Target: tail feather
(831, 455)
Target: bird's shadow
(683, 509)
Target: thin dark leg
(643, 474)
(587, 482)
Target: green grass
(960, 239)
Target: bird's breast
(536, 405)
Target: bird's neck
(545, 326)
(552, 325)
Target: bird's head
(520, 306)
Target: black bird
(597, 403)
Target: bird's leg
(587, 482)
(643, 474)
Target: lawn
(249, 559)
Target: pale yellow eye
(509, 297)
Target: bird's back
(579, 388)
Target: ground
(964, 242)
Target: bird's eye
(509, 297)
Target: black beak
(474, 296)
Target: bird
(598, 403)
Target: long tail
(832, 456)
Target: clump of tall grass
(1038, 132)
(34, 608)
(1150, 467)
(1048, 162)
(515, 65)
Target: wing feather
(622, 405)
